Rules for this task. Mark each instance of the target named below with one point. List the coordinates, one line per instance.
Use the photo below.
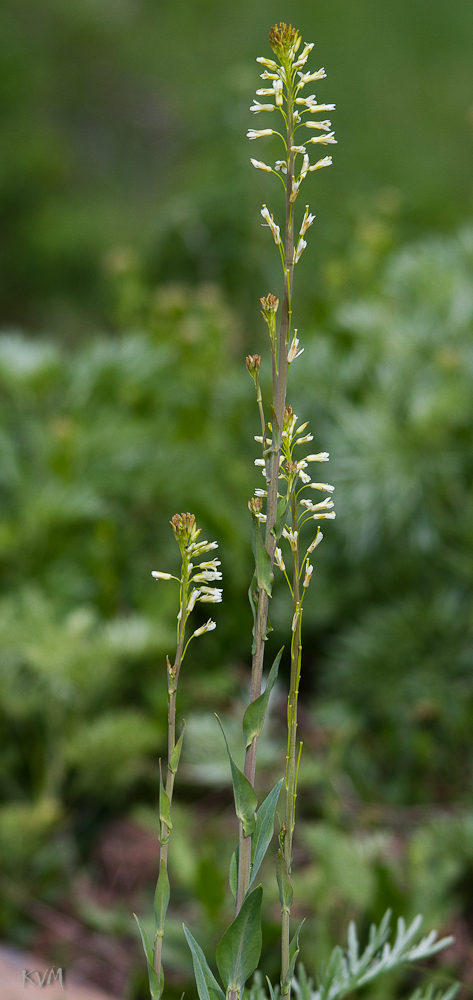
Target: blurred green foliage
(123, 124)
(127, 205)
(100, 444)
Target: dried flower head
(284, 41)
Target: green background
(132, 261)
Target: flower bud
(253, 364)
(183, 526)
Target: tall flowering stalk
(286, 82)
(279, 512)
(196, 584)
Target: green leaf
(174, 761)
(253, 719)
(284, 883)
(264, 573)
(293, 953)
(233, 873)
(270, 987)
(252, 590)
(164, 810)
(207, 986)
(155, 987)
(244, 793)
(161, 898)
(264, 829)
(281, 512)
(239, 950)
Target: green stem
(291, 762)
(172, 680)
(278, 407)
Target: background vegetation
(132, 262)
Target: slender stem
(291, 763)
(172, 678)
(278, 406)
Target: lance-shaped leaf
(293, 953)
(164, 808)
(253, 719)
(239, 950)
(233, 873)
(161, 898)
(244, 793)
(280, 517)
(252, 593)
(155, 987)
(284, 883)
(174, 761)
(264, 573)
(207, 986)
(264, 828)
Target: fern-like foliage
(348, 970)
(430, 994)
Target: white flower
(308, 77)
(291, 537)
(264, 91)
(261, 493)
(192, 599)
(304, 477)
(298, 149)
(322, 456)
(271, 223)
(161, 576)
(326, 504)
(323, 486)
(302, 464)
(319, 107)
(295, 189)
(302, 426)
(329, 517)
(295, 621)
(279, 560)
(294, 351)
(306, 100)
(258, 438)
(308, 504)
(269, 76)
(308, 573)
(327, 139)
(212, 564)
(317, 540)
(211, 595)
(261, 517)
(260, 461)
(304, 440)
(325, 162)
(324, 126)
(208, 627)
(261, 166)
(297, 254)
(305, 167)
(267, 62)
(304, 55)
(256, 107)
(307, 221)
(281, 165)
(198, 548)
(258, 133)
(207, 576)
(278, 92)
